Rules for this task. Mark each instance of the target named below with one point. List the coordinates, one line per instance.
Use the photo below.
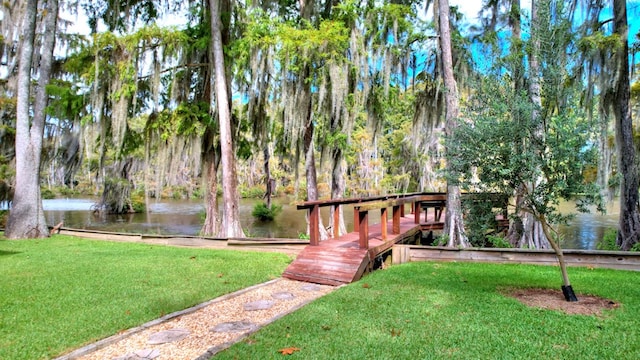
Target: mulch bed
(554, 300)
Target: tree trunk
(531, 234)
(453, 226)
(267, 176)
(337, 189)
(629, 225)
(26, 218)
(605, 155)
(310, 158)
(211, 224)
(567, 290)
(231, 215)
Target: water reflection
(585, 230)
(185, 217)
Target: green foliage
(480, 221)
(253, 192)
(188, 119)
(264, 213)
(608, 241)
(66, 101)
(498, 242)
(47, 193)
(138, 204)
(4, 215)
(518, 151)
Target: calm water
(180, 217)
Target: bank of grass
(455, 311)
(59, 293)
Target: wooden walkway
(341, 260)
(344, 259)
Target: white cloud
(469, 8)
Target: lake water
(185, 217)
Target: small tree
(500, 149)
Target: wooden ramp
(340, 260)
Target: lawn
(455, 311)
(59, 293)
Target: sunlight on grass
(59, 293)
(455, 310)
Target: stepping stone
(283, 296)
(146, 354)
(234, 326)
(310, 287)
(259, 305)
(168, 336)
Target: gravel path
(202, 331)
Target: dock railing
(313, 208)
(421, 201)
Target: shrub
(253, 192)
(264, 213)
(137, 203)
(47, 193)
(498, 242)
(4, 215)
(480, 220)
(608, 241)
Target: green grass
(455, 311)
(59, 293)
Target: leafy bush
(47, 193)
(253, 192)
(264, 213)
(137, 203)
(608, 241)
(4, 215)
(480, 220)
(498, 242)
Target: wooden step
(328, 265)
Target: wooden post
(400, 254)
(396, 219)
(416, 212)
(356, 219)
(363, 221)
(336, 221)
(402, 210)
(383, 222)
(314, 225)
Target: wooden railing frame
(435, 200)
(313, 209)
(398, 209)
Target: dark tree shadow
(3, 253)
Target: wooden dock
(344, 259)
(341, 260)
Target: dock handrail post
(336, 220)
(383, 222)
(363, 221)
(416, 212)
(314, 225)
(396, 219)
(356, 219)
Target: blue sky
(471, 8)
